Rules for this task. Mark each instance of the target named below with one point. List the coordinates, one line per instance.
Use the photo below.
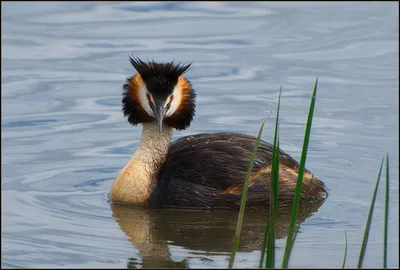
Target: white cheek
(175, 102)
(143, 100)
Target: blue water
(64, 137)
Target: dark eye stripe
(151, 105)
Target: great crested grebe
(198, 171)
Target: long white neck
(139, 177)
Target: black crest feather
(160, 78)
(151, 68)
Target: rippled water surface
(64, 138)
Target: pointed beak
(159, 112)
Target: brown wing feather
(208, 170)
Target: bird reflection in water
(151, 230)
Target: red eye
(171, 98)
(148, 97)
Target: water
(64, 138)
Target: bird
(206, 170)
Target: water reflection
(151, 230)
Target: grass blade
(270, 263)
(368, 225)
(296, 232)
(385, 233)
(244, 197)
(345, 250)
(293, 217)
(270, 247)
(264, 245)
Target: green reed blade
(293, 217)
(244, 197)
(345, 250)
(270, 263)
(264, 244)
(368, 225)
(296, 232)
(385, 233)
(275, 160)
(270, 260)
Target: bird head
(159, 92)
